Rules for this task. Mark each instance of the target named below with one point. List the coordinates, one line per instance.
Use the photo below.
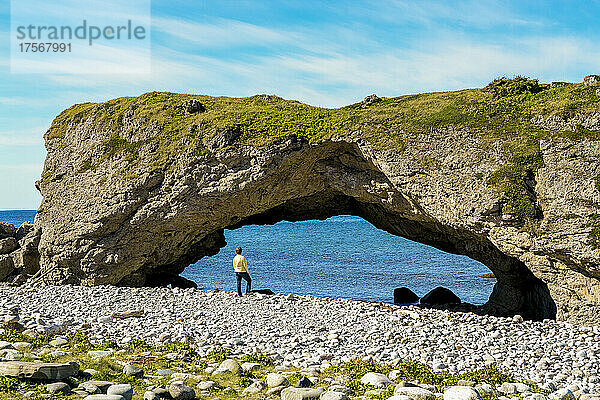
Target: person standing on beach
(240, 266)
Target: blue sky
(328, 53)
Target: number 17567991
(45, 47)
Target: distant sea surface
(341, 257)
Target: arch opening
(341, 257)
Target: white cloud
(220, 32)
(25, 137)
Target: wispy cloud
(23, 138)
(220, 32)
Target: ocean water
(17, 217)
(341, 257)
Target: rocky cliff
(136, 189)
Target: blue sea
(341, 257)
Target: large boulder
(35, 370)
(440, 296)
(404, 295)
(8, 245)
(7, 230)
(6, 266)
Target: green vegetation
(219, 354)
(502, 111)
(414, 372)
(261, 359)
(182, 358)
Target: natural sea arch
(342, 256)
(336, 178)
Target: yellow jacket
(240, 264)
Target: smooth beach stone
(231, 366)
(104, 397)
(35, 370)
(150, 395)
(338, 388)
(274, 379)
(22, 346)
(508, 388)
(102, 385)
(293, 393)
(254, 388)
(164, 372)
(562, 394)
(122, 389)
(415, 393)
(132, 370)
(248, 366)
(59, 341)
(99, 353)
(180, 391)
(89, 388)
(333, 395)
(207, 385)
(461, 393)
(522, 388)
(58, 387)
(376, 379)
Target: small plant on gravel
(9, 384)
(79, 341)
(294, 378)
(357, 368)
(219, 354)
(246, 378)
(261, 359)
(12, 336)
(138, 346)
(489, 374)
(384, 395)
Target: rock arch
(149, 229)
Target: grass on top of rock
(503, 111)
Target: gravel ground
(304, 330)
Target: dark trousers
(245, 276)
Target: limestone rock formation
(19, 257)
(136, 189)
(38, 370)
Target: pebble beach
(305, 331)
